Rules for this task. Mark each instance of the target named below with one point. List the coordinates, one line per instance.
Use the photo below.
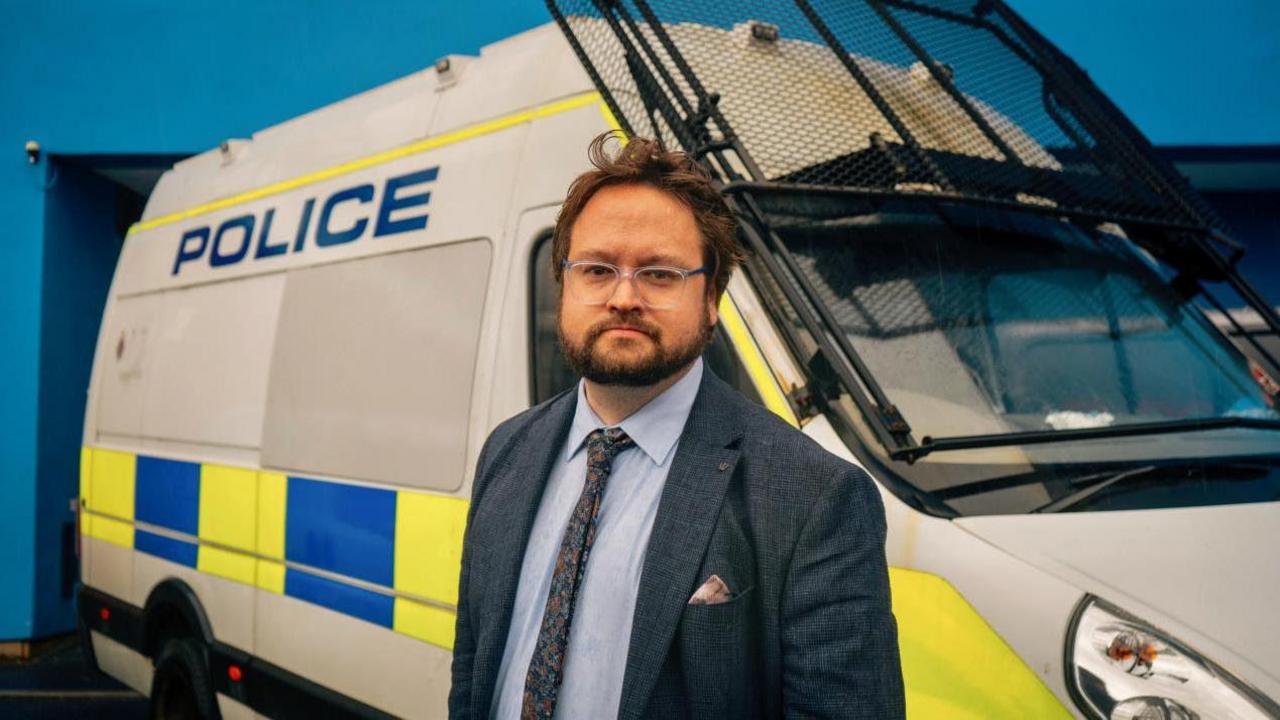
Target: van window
(373, 367)
(551, 374)
(190, 365)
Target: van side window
(373, 367)
(189, 365)
(548, 371)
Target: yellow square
(113, 483)
(228, 501)
(428, 555)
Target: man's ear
(713, 311)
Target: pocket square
(713, 592)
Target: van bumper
(114, 618)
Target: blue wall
(153, 77)
(1187, 72)
(80, 248)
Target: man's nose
(625, 297)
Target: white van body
(310, 334)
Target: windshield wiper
(1089, 491)
(1035, 437)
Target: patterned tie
(546, 668)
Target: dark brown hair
(643, 161)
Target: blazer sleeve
(839, 638)
(464, 645)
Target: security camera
(33, 152)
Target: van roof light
(764, 32)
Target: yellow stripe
(420, 146)
(766, 385)
(953, 663)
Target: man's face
(624, 342)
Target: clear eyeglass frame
(659, 287)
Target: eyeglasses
(659, 288)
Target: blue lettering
(185, 252)
(391, 202)
(325, 236)
(216, 257)
(265, 249)
(301, 237)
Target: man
(651, 544)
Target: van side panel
(199, 457)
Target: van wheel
(181, 688)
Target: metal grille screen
(948, 97)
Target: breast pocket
(717, 654)
(719, 615)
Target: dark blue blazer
(795, 532)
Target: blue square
(167, 493)
(345, 529)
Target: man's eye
(660, 276)
(597, 271)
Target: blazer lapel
(510, 506)
(687, 512)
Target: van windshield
(1032, 325)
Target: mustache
(600, 328)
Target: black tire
(181, 688)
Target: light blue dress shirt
(601, 631)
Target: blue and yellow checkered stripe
(389, 557)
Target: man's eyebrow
(661, 259)
(592, 254)
(604, 255)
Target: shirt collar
(655, 428)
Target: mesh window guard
(949, 97)
(943, 101)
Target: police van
(968, 274)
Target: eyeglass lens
(594, 284)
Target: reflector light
(234, 672)
(105, 614)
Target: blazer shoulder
(791, 456)
(503, 437)
(763, 427)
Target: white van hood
(1208, 575)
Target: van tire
(181, 688)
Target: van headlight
(1121, 668)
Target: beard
(593, 363)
